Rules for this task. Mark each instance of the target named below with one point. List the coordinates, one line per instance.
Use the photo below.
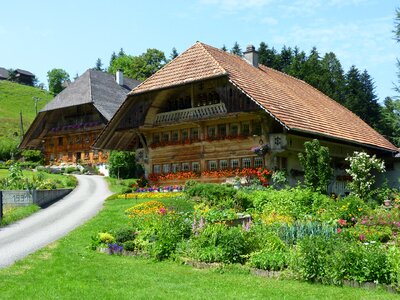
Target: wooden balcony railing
(196, 113)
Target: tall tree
(223, 48)
(139, 67)
(121, 52)
(296, 67)
(332, 79)
(56, 78)
(313, 69)
(266, 56)
(236, 49)
(390, 120)
(99, 65)
(113, 57)
(284, 59)
(173, 54)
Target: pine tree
(332, 80)
(266, 56)
(313, 69)
(99, 65)
(296, 67)
(236, 49)
(113, 57)
(284, 59)
(223, 48)
(121, 52)
(173, 54)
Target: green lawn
(16, 98)
(68, 269)
(13, 214)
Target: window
(86, 154)
(223, 164)
(245, 130)
(246, 162)
(79, 140)
(52, 143)
(195, 166)
(185, 134)
(70, 141)
(165, 136)
(281, 163)
(96, 153)
(175, 136)
(222, 130)
(52, 156)
(175, 167)
(258, 162)
(60, 141)
(156, 138)
(185, 166)
(257, 128)
(211, 131)
(194, 134)
(87, 139)
(60, 156)
(165, 168)
(212, 165)
(234, 129)
(234, 163)
(156, 169)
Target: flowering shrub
(145, 208)
(155, 195)
(173, 176)
(361, 166)
(273, 217)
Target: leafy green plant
(292, 233)
(272, 260)
(221, 196)
(360, 170)
(316, 164)
(218, 243)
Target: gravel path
(46, 226)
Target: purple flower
(114, 249)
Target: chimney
(119, 77)
(251, 55)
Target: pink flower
(339, 230)
(162, 211)
(362, 237)
(342, 222)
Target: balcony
(191, 114)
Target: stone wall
(39, 197)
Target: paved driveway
(28, 235)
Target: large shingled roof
(295, 104)
(94, 87)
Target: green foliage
(361, 167)
(393, 259)
(16, 213)
(221, 196)
(390, 120)
(295, 202)
(291, 233)
(32, 155)
(56, 78)
(316, 164)
(106, 238)
(218, 243)
(138, 67)
(271, 260)
(122, 164)
(123, 235)
(279, 179)
(236, 49)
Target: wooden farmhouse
(66, 127)
(209, 110)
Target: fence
(28, 197)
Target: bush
(294, 202)
(218, 243)
(122, 164)
(271, 260)
(33, 156)
(218, 195)
(124, 234)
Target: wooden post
(21, 125)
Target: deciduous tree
(56, 78)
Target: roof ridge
(90, 86)
(203, 46)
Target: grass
(16, 98)
(68, 269)
(64, 180)
(119, 185)
(12, 214)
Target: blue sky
(41, 35)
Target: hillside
(13, 99)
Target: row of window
(78, 155)
(70, 140)
(220, 130)
(212, 165)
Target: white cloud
(269, 21)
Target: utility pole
(21, 125)
(36, 99)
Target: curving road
(40, 229)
